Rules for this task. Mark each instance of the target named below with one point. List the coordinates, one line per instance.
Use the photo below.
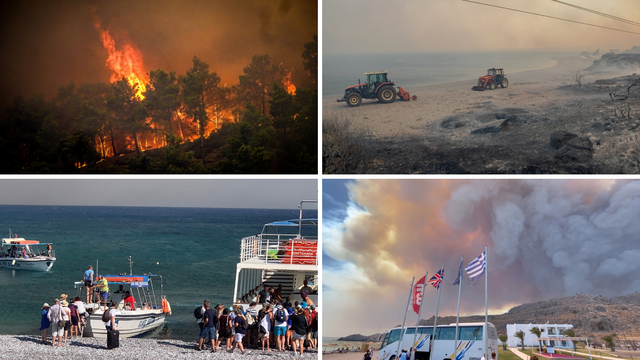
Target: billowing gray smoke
(568, 236)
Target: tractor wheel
(387, 94)
(492, 86)
(504, 83)
(354, 99)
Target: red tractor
(378, 87)
(493, 78)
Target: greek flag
(476, 268)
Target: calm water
(411, 70)
(195, 250)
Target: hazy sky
(48, 44)
(383, 26)
(546, 238)
(258, 194)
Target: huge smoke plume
(546, 238)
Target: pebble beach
(30, 347)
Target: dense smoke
(546, 239)
(46, 45)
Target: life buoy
(166, 308)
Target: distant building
(548, 330)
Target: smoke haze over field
(48, 44)
(546, 238)
(379, 26)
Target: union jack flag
(437, 279)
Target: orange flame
(288, 85)
(125, 63)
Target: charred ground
(596, 133)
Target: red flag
(418, 289)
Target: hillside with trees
(188, 123)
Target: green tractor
(377, 86)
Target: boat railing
(280, 249)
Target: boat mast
(300, 217)
(130, 267)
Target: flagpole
(455, 349)
(424, 287)
(486, 303)
(435, 321)
(405, 318)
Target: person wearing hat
(66, 316)
(44, 322)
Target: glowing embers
(126, 62)
(288, 85)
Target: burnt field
(588, 128)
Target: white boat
(19, 253)
(130, 323)
(284, 253)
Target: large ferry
(284, 255)
(19, 253)
(149, 313)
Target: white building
(547, 330)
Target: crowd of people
(278, 324)
(64, 319)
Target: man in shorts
(280, 329)
(103, 286)
(88, 284)
(55, 315)
(314, 327)
(209, 328)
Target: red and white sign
(418, 290)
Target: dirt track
(452, 129)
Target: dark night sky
(48, 44)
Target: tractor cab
(494, 78)
(374, 79)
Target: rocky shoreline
(30, 347)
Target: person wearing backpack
(252, 320)
(280, 328)
(210, 321)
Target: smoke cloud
(444, 25)
(545, 238)
(46, 45)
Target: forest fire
(288, 85)
(125, 63)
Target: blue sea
(194, 249)
(420, 69)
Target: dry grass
(345, 147)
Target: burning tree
(258, 79)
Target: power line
(599, 13)
(551, 17)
